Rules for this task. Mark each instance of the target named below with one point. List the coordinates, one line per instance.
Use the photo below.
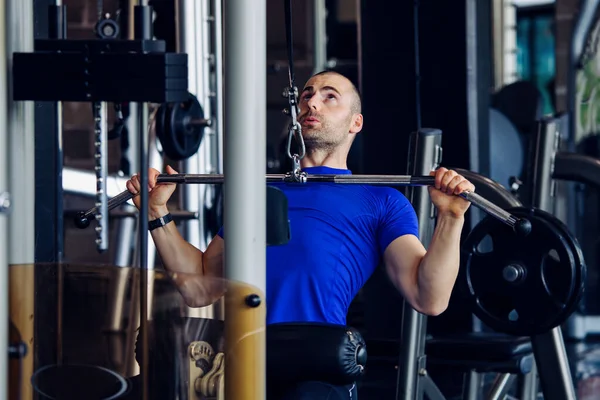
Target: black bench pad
(482, 352)
(478, 346)
(479, 351)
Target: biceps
(401, 259)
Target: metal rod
(490, 208)
(218, 68)
(208, 150)
(57, 21)
(130, 212)
(424, 156)
(18, 179)
(545, 142)
(143, 31)
(529, 387)
(143, 247)
(548, 348)
(190, 41)
(143, 27)
(244, 206)
(319, 35)
(193, 36)
(199, 122)
(553, 366)
(384, 180)
(5, 206)
(101, 160)
(472, 385)
(500, 386)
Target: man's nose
(313, 103)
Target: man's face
(326, 111)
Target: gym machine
(513, 354)
(564, 268)
(91, 71)
(549, 166)
(502, 281)
(474, 354)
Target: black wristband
(158, 222)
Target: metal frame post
(49, 247)
(245, 164)
(21, 141)
(4, 210)
(126, 232)
(549, 348)
(319, 35)
(478, 81)
(544, 144)
(126, 253)
(245, 142)
(22, 161)
(218, 51)
(127, 226)
(553, 366)
(424, 156)
(143, 30)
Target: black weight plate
(164, 133)
(180, 138)
(160, 121)
(160, 118)
(581, 267)
(187, 136)
(536, 302)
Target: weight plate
(159, 121)
(581, 267)
(521, 285)
(179, 129)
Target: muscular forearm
(188, 268)
(439, 268)
(176, 253)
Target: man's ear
(357, 123)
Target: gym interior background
(493, 76)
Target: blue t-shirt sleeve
(398, 218)
(220, 233)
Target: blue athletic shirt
(338, 236)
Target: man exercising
(340, 233)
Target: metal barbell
(520, 225)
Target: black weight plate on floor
(540, 298)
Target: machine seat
(479, 351)
(478, 346)
(482, 352)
